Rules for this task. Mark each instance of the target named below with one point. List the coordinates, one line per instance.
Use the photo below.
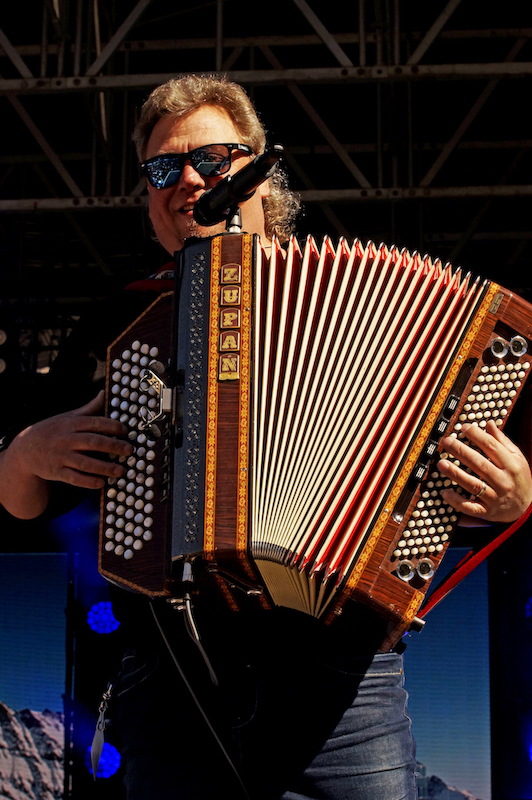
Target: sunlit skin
(59, 449)
(501, 465)
(171, 209)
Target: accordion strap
(475, 557)
(469, 562)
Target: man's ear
(264, 189)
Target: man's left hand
(503, 489)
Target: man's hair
(181, 96)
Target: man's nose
(190, 177)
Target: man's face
(171, 208)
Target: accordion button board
(288, 411)
(135, 508)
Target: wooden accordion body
(288, 411)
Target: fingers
(474, 486)
(75, 448)
(500, 489)
(88, 422)
(69, 446)
(492, 442)
(81, 479)
(471, 505)
(88, 473)
(496, 461)
(91, 454)
(105, 439)
(88, 432)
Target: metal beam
(300, 149)
(414, 193)
(468, 119)
(433, 32)
(13, 55)
(73, 220)
(116, 40)
(320, 124)
(324, 75)
(36, 132)
(45, 146)
(283, 40)
(296, 169)
(71, 203)
(327, 38)
(86, 204)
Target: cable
(197, 702)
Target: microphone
(219, 203)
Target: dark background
(417, 133)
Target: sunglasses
(210, 160)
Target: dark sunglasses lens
(212, 160)
(164, 171)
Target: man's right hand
(62, 448)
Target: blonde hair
(181, 96)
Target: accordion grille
(351, 351)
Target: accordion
(287, 411)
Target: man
(301, 711)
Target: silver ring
(483, 488)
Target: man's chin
(202, 232)
(192, 230)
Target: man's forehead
(206, 125)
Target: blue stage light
(108, 764)
(101, 619)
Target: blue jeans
(371, 753)
(302, 716)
